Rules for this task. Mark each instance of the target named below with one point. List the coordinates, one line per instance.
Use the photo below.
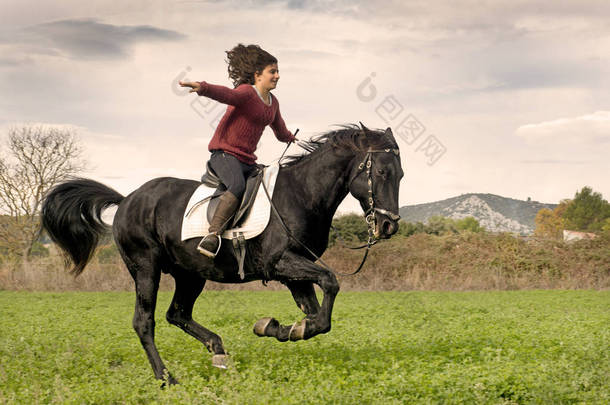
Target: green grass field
(404, 347)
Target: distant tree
(560, 209)
(410, 228)
(587, 211)
(548, 224)
(468, 224)
(37, 158)
(349, 228)
(606, 228)
(437, 225)
(39, 250)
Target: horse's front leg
(305, 296)
(294, 269)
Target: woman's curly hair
(244, 61)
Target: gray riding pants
(231, 171)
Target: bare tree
(38, 158)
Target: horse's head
(375, 179)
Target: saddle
(251, 218)
(210, 179)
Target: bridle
(369, 214)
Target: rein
(369, 215)
(287, 146)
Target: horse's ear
(365, 129)
(390, 135)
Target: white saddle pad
(195, 221)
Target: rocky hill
(494, 212)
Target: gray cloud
(346, 7)
(11, 61)
(85, 39)
(463, 16)
(589, 129)
(453, 65)
(491, 47)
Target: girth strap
(239, 246)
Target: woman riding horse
(251, 108)
(147, 231)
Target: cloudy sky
(510, 98)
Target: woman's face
(268, 78)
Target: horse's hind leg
(146, 275)
(180, 313)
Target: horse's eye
(380, 172)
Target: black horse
(309, 188)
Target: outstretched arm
(279, 128)
(222, 94)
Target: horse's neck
(321, 182)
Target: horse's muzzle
(386, 227)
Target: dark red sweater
(246, 117)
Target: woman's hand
(195, 86)
(295, 140)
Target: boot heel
(208, 252)
(225, 210)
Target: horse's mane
(348, 136)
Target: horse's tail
(71, 215)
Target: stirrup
(206, 252)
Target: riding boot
(210, 244)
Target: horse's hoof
(169, 382)
(297, 331)
(220, 361)
(261, 325)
